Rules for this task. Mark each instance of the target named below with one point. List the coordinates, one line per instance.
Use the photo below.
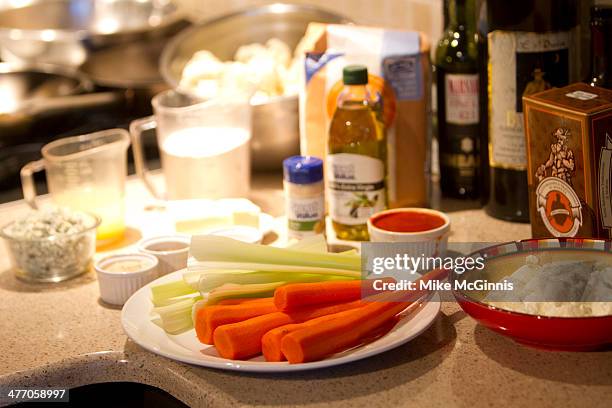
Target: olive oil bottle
(356, 157)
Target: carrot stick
(239, 301)
(382, 330)
(271, 341)
(209, 318)
(326, 338)
(242, 340)
(297, 295)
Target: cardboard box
(569, 155)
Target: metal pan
(31, 92)
(132, 69)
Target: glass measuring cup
(204, 146)
(86, 173)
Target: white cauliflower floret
(237, 79)
(206, 88)
(245, 53)
(203, 65)
(280, 51)
(261, 71)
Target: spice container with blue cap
(304, 196)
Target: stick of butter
(199, 216)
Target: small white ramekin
(169, 260)
(117, 287)
(428, 243)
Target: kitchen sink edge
(113, 366)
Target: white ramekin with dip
(172, 251)
(427, 230)
(119, 276)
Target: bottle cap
(303, 169)
(355, 75)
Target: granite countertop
(62, 335)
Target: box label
(605, 183)
(602, 139)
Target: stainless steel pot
(275, 123)
(64, 32)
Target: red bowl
(551, 333)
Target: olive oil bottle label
(356, 187)
(305, 216)
(520, 63)
(461, 98)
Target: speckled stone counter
(62, 336)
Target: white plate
(185, 347)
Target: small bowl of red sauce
(428, 228)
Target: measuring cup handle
(27, 181)
(137, 128)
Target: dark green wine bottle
(601, 47)
(530, 49)
(458, 79)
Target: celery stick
(193, 278)
(168, 301)
(176, 318)
(215, 249)
(207, 265)
(212, 280)
(233, 291)
(170, 290)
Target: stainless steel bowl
(275, 123)
(65, 31)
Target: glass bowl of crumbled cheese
(51, 245)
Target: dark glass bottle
(483, 153)
(458, 80)
(601, 47)
(530, 47)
